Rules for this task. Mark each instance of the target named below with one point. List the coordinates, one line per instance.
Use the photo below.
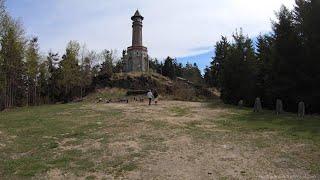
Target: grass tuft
(180, 111)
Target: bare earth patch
(89, 144)
(123, 148)
(216, 156)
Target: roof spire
(137, 15)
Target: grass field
(174, 140)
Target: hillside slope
(179, 89)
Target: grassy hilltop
(174, 140)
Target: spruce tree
(307, 22)
(288, 75)
(238, 71)
(264, 76)
(221, 51)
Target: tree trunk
(35, 95)
(81, 92)
(28, 92)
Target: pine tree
(86, 72)
(169, 68)
(43, 83)
(155, 65)
(118, 67)
(120, 63)
(192, 73)
(178, 68)
(54, 75)
(12, 66)
(32, 61)
(208, 77)
(107, 65)
(70, 71)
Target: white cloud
(171, 27)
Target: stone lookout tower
(136, 57)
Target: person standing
(150, 96)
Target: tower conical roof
(137, 14)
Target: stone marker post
(301, 109)
(279, 107)
(240, 103)
(257, 105)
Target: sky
(185, 29)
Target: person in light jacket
(150, 96)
